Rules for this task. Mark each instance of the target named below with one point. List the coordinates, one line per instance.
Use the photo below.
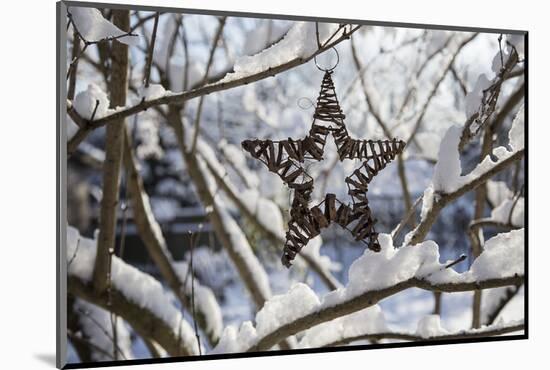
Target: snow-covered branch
(208, 313)
(135, 296)
(489, 331)
(241, 77)
(481, 102)
(448, 184)
(376, 276)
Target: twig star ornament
(286, 158)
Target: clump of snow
(498, 192)
(430, 326)
(448, 169)
(390, 266)
(97, 329)
(228, 342)
(474, 97)
(277, 311)
(93, 27)
(260, 37)
(427, 201)
(283, 309)
(154, 91)
(85, 102)
(502, 256)
(516, 133)
(510, 211)
(367, 321)
(299, 42)
(135, 285)
(375, 271)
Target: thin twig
(207, 70)
(147, 72)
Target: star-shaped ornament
(286, 158)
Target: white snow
(502, 256)
(137, 286)
(430, 326)
(448, 169)
(260, 37)
(93, 27)
(277, 311)
(510, 211)
(367, 321)
(154, 91)
(285, 308)
(516, 133)
(474, 97)
(97, 328)
(85, 101)
(498, 192)
(299, 42)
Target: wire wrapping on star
(285, 158)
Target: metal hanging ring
(328, 69)
(308, 100)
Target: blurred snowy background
(417, 83)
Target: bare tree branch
(420, 232)
(114, 139)
(483, 333)
(213, 48)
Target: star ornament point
(287, 157)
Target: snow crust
(93, 27)
(447, 169)
(367, 321)
(299, 42)
(447, 178)
(430, 326)
(502, 256)
(258, 38)
(85, 101)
